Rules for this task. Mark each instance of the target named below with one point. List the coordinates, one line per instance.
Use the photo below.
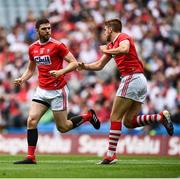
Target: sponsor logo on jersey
(43, 60)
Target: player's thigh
(36, 111)
(133, 87)
(131, 112)
(62, 123)
(59, 102)
(120, 106)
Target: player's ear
(110, 29)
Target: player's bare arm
(27, 74)
(72, 64)
(96, 66)
(122, 49)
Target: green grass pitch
(71, 166)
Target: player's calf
(128, 124)
(89, 116)
(143, 120)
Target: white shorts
(133, 87)
(57, 100)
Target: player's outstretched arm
(72, 65)
(27, 74)
(122, 49)
(96, 66)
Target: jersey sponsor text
(42, 60)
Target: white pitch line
(124, 162)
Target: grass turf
(70, 166)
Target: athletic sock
(78, 120)
(32, 137)
(114, 134)
(31, 151)
(144, 120)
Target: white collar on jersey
(44, 42)
(116, 37)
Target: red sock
(114, 134)
(144, 120)
(87, 116)
(31, 152)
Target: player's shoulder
(34, 44)
(58, 44)
(54, 41)
(123, 35)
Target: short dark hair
(41, 21)
(115, 24)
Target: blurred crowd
(153, 24)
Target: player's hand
(56, 73)
(103, 48)
(81, 66)
(18, 82)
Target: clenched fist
(18, 82)
(81, 66)
(56, 73)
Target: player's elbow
(122, 50)
(125, 50)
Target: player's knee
(32, 121)
(128, 124)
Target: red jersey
(127, 63)
(49, 56)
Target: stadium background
(154, 25)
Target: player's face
(44, 32)
(107, 33)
